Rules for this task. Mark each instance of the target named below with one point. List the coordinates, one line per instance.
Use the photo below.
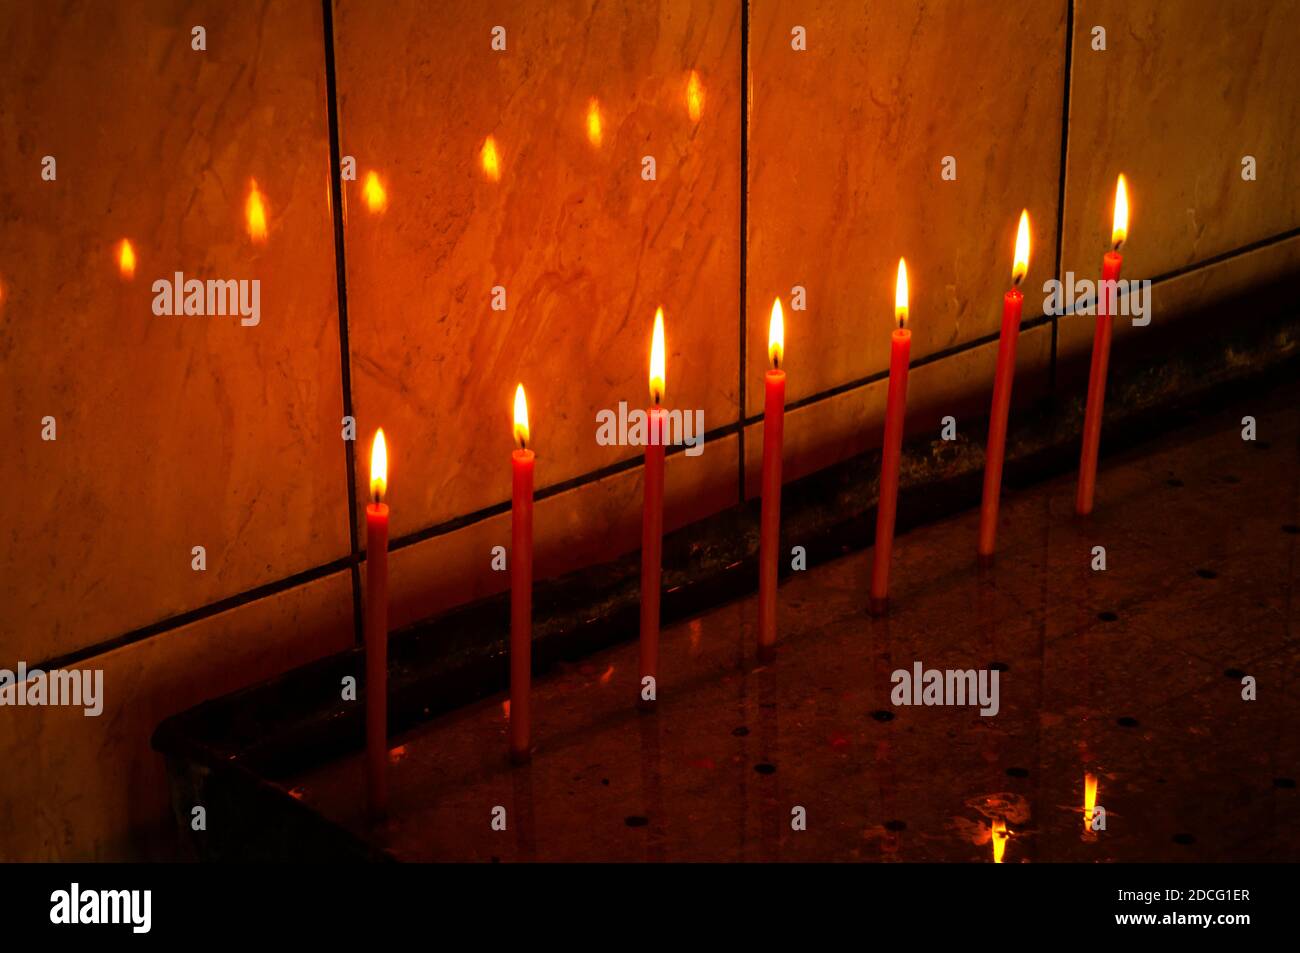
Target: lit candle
(126, 260)
(1006, 372)
(1110, 268)
(377, 631)
(521, 584)
(770, 521)
(892, 451)
(652, 522)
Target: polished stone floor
(1133, 674)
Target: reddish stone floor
(1133, 673)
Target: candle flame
(1021, 266)
(776, 335)
(521, 418)
(999, 838)
(491, 162)
(1119, 231)
(594, 133)
(694, 97)
(657, 359)
(378, 467)
(900, 295)
(255, 212)
(373, 192)
(1089, 800)
(126, 259)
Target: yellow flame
(378, 467)
(900, 295)
(373, 192)
(1089, 799)
(776, 335)
(521, 418)
(594, 134)
(1021, 266)
(657, 375)
(255, 212)
(999, 838)
(126, 259)
(694, 97)
(1119, 231)
(491, 162)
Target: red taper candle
(770, 520)
(1012, 303)
(521, 585)
(652, 524)
(377, 632)
(892, 451)
(1110, 269)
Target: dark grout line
(341, 270)
(195, 615)
(744, 234)
(1060, 194)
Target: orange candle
(892, 451)
(1110, 269)
(377, 631)
(1002, 381)
(652, 523)
(521, 584)
(770, 520)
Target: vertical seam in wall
(340, 262)
(1060, 195)
(744, 236)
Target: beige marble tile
(172, 432)
(1219, 283)
(92, 788)
(845, 150)
(584, 247)
(1180, 94)
(828, 431)
(590, 524)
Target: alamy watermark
(212, 297)
(922, 686)
(1127, 297)
(631, 428)
(79, 688)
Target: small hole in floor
(764, 768)
(1207, 574)
(1290, 528)
(1288, 783)
(636, 820)
(1233, 673)
(1018, 772)
(1186, 839)
(1229, 478)
(895, 825)
(1108, 616)
(999, 667)
(1174, 481)
(740, 732)
(1127, 722)
(883, 715)
(605, 781)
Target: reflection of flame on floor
(999, 838)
